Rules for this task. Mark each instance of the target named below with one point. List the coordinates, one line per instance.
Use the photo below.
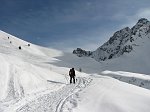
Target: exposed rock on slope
(79, 52)
(123, 41)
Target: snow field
(108, 95)
(35, 79)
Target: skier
(72, 75)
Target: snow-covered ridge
(22, 69)
(28, 75)
(123, 41)
(137, 79)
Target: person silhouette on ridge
(72, 75)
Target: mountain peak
(142, 21)
(120, 42)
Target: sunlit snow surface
(35, 79)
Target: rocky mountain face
(122, 41)
(79, 52)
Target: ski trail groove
(54, 101)
(60, 104)
(83, 82)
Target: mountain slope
(122, 42)
(35, 79)
(21, 70)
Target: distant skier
(72, 75)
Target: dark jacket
(72, 73)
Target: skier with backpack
(72, 75)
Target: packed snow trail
(54, 101)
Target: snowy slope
(109, 95)
(22, 71)
(127, 51)
(122, 42)
(35, 79)
(137, 61)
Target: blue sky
(68, 24)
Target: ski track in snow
(62, 100)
